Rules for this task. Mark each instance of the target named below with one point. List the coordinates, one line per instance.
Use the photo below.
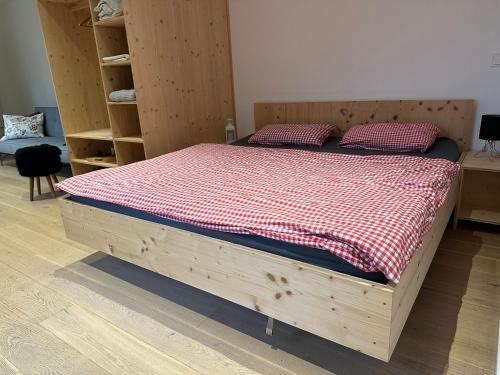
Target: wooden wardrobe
(180, 67)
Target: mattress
(444, 148)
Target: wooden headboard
(455, 118)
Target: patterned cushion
(295, 134)
(399, 137)
(17, 127)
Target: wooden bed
(362, 315)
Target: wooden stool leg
(54, 177)
(32, 183)
(49, 181)
(38, 185)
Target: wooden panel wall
(74, 65)
(181, 62)
(454, 117)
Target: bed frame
(362, 315)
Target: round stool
(37, 161)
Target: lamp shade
(490, 128)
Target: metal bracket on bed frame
(269, 327)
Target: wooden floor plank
(478, 288)
(159, 330)
(144, 315)
(30, 298)
(465, 263)
(33, 350)
(469, 232)
(7, 368)
(115, 350)
(124, 311)
(16, 236)
(165, 301)
(49, 226)
(471, 249)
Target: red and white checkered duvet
(370, 210)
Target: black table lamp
(490, 133)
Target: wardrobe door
(181, 63)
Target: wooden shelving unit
(111, 39)
(116, 64)
(73, 61)
(92, 128)
(176, 106)
(103, 134)
(111, 22)
(100, 164)
(132, 139)
(122, 103)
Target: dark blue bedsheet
(443, 148)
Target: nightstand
(479, 197)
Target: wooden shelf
(122, 103)
(479, 215)
(131, 139)
(100, 134)
(95, 163)
(116, 63)
(111, 22)
(129, 152)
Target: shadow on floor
(422, 349)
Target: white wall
(25, 79)
(364, 49)
(311, 50)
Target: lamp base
(491, 148)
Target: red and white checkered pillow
(295, 134)
(400, 137)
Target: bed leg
(269, 327)
(455, 218)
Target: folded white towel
(117, 60)
(123, 57)
(108, 9)
(122, 95)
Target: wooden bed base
(362, 315)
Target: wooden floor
(67, 310)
